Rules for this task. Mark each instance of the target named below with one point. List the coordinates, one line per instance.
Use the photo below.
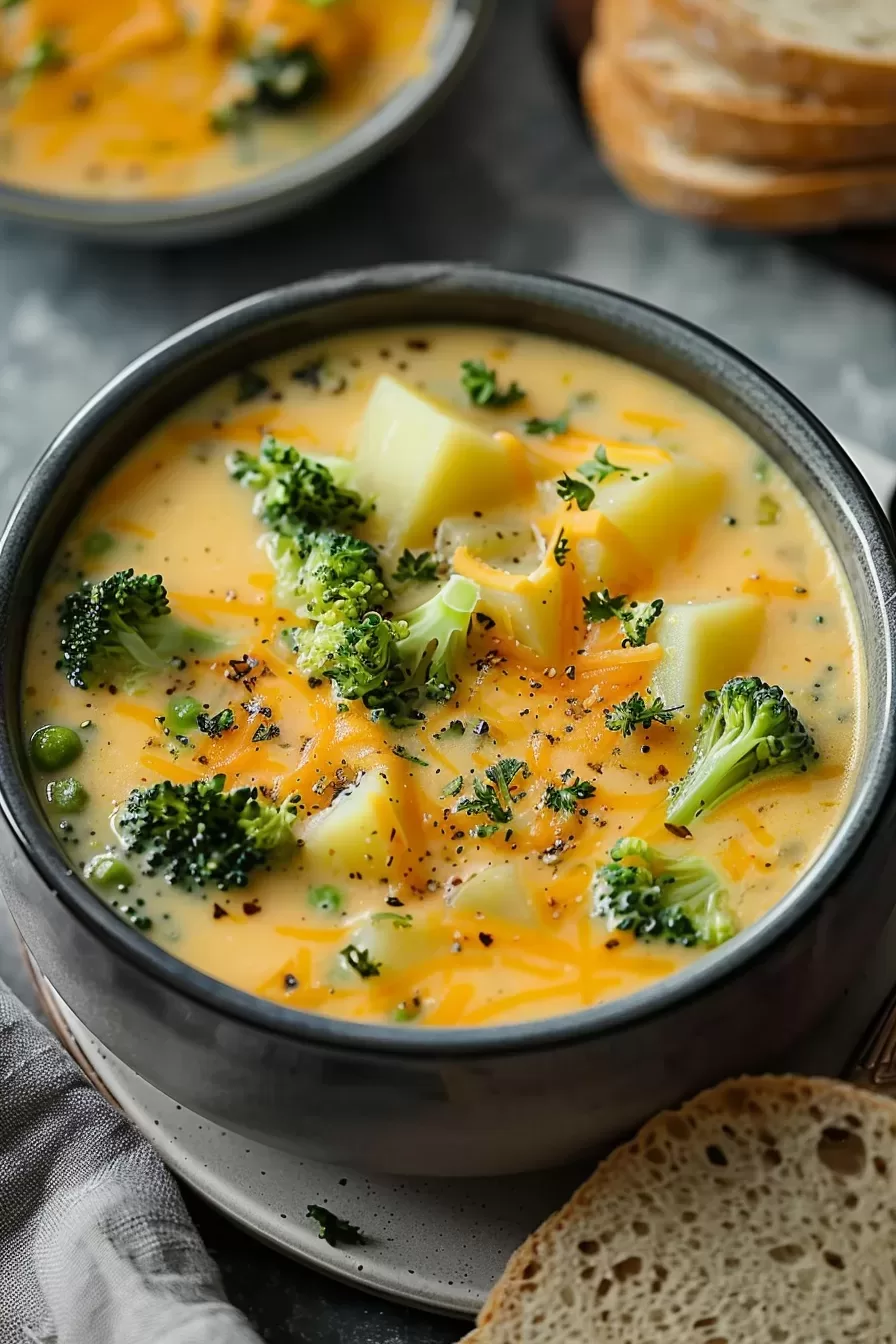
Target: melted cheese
(126, 110)
(171, 508)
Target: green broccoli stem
(746, 728)
(437, 632)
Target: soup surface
(478, 726)
(143, 98)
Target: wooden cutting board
(870, 252)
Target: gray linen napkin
(96, 1246)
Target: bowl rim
(451, 48)
(564, 298)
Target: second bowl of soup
(489, 689)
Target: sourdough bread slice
(710, 110)
(655, 169)
(839, 50)
(761, 1212)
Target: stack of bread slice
(774, 114)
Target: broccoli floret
(356, 656)
(393, 665)
(745, 728)
(332, 577)
(271, 79)
(199, 834)
(676, 899)
(121, 628)
(298, 495)
(436, 636)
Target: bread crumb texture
(761, 1212)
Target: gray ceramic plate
(249, 204)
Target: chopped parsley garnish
(538, 427)
(360, 961)
(492, 796)
(762, 468)
(768, 511)
(483, 832)
(569, 489)
(44, 54)
(422, 568)
(564, 797)
(311, 373)
(481, 385)
(456, 728)
(215, 725)
(334, 1231)
(265, 732)
(251, 384)
(599, 467)
(398, 921)
(561, 548)
(406, 756)
(453, 788)
(637, 619)
(600, 606)
(635, 713)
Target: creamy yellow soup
(454, 871)
(151, 98)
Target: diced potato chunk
(703, 645)
(660, 510)
(395, 941)
(598, 555)
(359, 832)
(503, 538)
(497, 891)
(421, 463)
(525, 607)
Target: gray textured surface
(503, 174)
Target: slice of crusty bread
(657, 171)
(710, 110)
(761, 1212)
(841, 50)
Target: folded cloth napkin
(96, 1246)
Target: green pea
(328, 900)
(407, 1010)
(107, 871)
(183, 713)
(98, 543)
(53, 748)
(67, 795)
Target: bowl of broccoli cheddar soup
(446, 717)
(166, 121)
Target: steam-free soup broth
(132, 99)
(487, 678)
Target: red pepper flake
(486, 939)
(219, 912)
(251, 907)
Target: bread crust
(753, 130)
(840, 1138)
(735, 40)
(712, 189)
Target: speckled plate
(439, 1245)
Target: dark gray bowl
(453, 1102)
(248, 205)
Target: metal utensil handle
(874, 1063)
